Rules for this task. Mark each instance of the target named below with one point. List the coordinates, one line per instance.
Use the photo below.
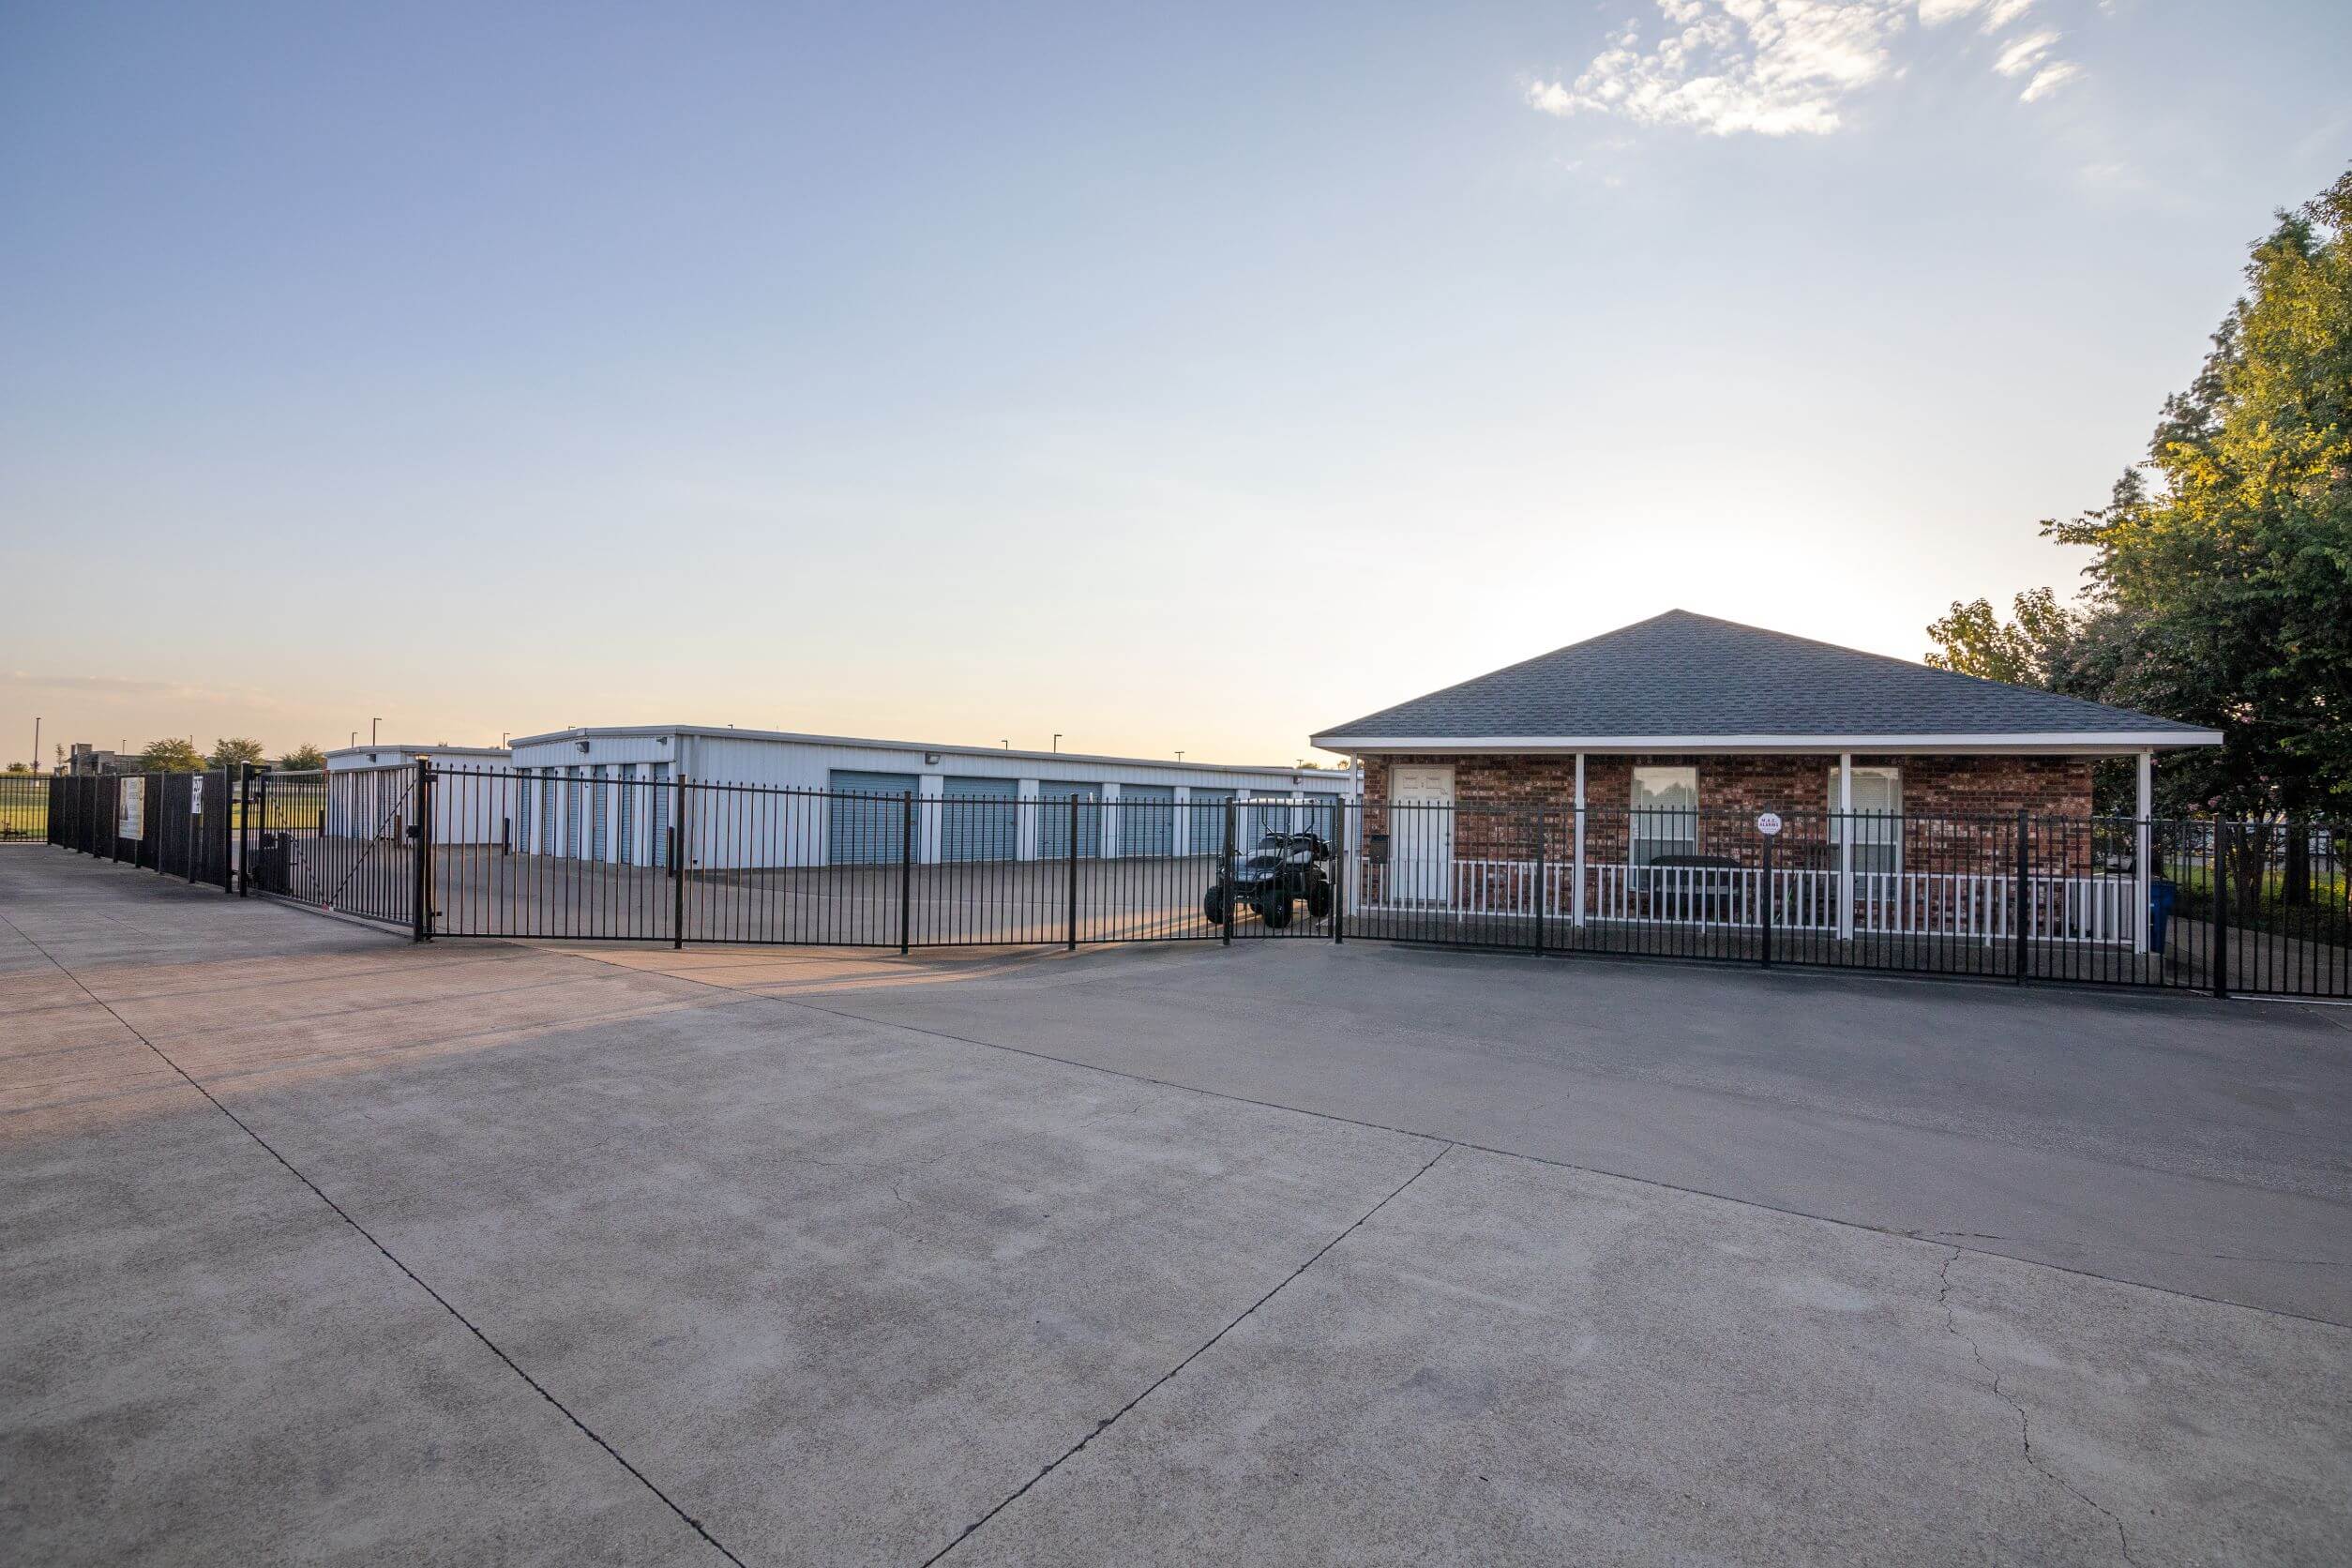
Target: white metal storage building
(600, 793)
(369, 792)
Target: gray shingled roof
(1684, 674)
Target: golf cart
(1284, 867)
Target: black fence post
(1539, 881)
(195, 787)
(420, 849)
(2220, 909)
(677, 869)
(906, 869)
(1225, 880)
(255, 809)
(1767, 893)
(2025, 895)
(1073, 853)
(1339, 864)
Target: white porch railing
(1982, 907)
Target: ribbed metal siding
(574, 808)
(1146, 820)
(1054, 819)
(980, 819)
(861, 832)
(546, 786)
(661, 812)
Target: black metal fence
(175, 823)
(2225, 907)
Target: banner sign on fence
(196, 796)
(130, 817)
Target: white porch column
(2142, 836)
(1576, 895)
(1845, 846)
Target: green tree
(230, 751)
(170, 756)
(1974, 640)
(2234, 567)
(304, 758)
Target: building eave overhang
(2117, 743)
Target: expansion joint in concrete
(368, 1236)
(1109, 1421)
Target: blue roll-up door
(1205, 822)
(598, 801)
(547, 811)
(1054, 819)
(1146, 820)
(1261, 816)
(574, 808)
(626, 809)
(1321, 816)
(980, 819)
(861, 830)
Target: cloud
(2024, 54)
(2048, 80)
(1772, 67)
(1776, 67)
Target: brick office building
(1662, 742)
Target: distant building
(84, 761)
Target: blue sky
(1168, 377)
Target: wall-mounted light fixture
(582, 744)
(931, 758)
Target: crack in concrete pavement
(1210, 1343)
(365, 1235)
(2025, 1424)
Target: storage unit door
(1054, 819)
(547, 811)
(863, 832)
(980, 819)
(1261, 816)
(1204, 821)
(1321, 816)
(600, 808)
(1146, 820)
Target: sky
(1172, 378)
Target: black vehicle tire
(1214, 904)
(1274, 908)
(1318, 898)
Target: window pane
(1665, 814)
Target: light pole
(1180, 756)
(371, 730)
(1057, 740)
(37, 743)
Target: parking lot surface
(319, 1246)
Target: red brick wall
(1945, 800)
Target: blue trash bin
(2159, 897)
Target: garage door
(1205, 822)
(863, 832)
(1259, 818)
(1054, 819)
(980, 819)
(1321, 816)
(1147, 820)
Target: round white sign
(1768, 825)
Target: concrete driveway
(319, 1248)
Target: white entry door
(1420, 833)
